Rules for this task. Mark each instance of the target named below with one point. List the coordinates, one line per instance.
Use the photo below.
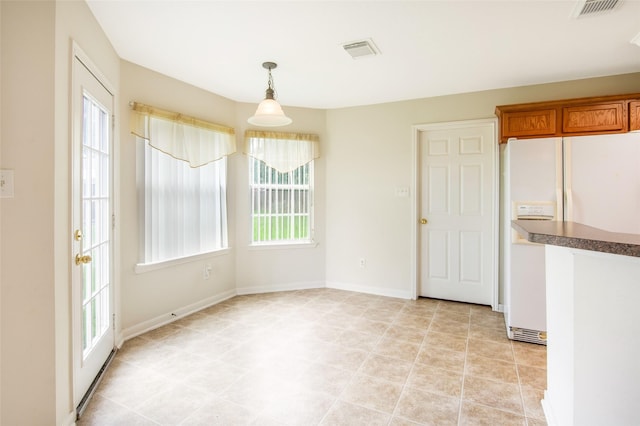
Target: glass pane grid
(95, 319)
(96, 220)
(280, 203)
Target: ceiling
(427, 48)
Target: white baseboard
(280, 287)
(389, 292)
(500, 308)
(119, 339)
(174, 315)
(548, 411)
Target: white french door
(93, 335)
(457, 212)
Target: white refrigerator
(593, 180)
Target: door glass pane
(104, 175)
(95, 226)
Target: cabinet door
(528, 123)
(634, 115)
(603, 117)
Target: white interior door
(458, 233)
(93, 336)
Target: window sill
(141, 268)
(282, 246)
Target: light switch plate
(402, 191)
(6, 183)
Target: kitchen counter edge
(578, 236)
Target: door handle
(82, 259)
(423, 221)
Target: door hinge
(113, 221)
(113, 317)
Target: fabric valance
(190, 139)
(282, 151)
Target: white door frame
(416, 201)
(77, 54)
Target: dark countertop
(578, 236)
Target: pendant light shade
(269, 112)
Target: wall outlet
(206, 271)
(363, 262)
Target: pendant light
(269, 112)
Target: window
(281, 203)
(185, 208)
(281, 183)
(182, 182)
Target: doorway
(456, 211)
(92, 224)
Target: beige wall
(1, 102)
(271, 269)
(368, 152)
(27, 270)
(35, 265)
(73, 22)
(150, 298)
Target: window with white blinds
(182, 184)
(185, 208)
(281, 203)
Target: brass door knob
(82, 259)
(423, 221)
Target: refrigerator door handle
(568, 207)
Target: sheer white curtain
(182, 182)
(284, 152)
(195, 141)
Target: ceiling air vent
(594, 7)
(361, 48)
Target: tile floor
(325, 357)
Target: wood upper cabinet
(584, 116)
(602, 117)
(529, 123)
(634, 115)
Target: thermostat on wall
(6, 183)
